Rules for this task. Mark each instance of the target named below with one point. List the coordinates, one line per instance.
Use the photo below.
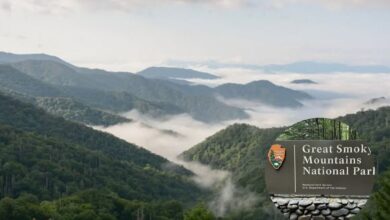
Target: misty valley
(172, 143)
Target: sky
(131, 35)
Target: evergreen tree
(199, 212)
(382, 198)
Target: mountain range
(53, 167)
(50, 166)
(295, 67)
(33, 76)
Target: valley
(140, 145)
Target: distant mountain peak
(261, 82)
(377, 100)
(174, 72)
(6, 57)
(303, 81)
(263, 91)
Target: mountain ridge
(27, 119)
(199, 106)
(298, 66)
(122, 91)
(174, 72)
(263, 91)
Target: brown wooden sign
(320, 167)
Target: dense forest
(242, 148)
(319, 129)
(53, 168)
(374, 127)
(78, 112)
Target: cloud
(151, 134)
(167, 137)
(171, 136)
(61, 6)
(334, 4)
(231, 198)
(227, 197)
(5, 5)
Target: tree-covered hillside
(374, 126)
(118, 101)
(263, 91)
(12, 79)
(201, 107)
(77, 104)
(78, 112)
(242, 149)
(46, 163)
(319, 129)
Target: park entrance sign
(328, 176)
(323, 168)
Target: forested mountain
(152, 95)
(203, 107)
(16, 81)
(14, 58)
(170, 72)
(242, 148)
(374, 126)
(118, 101)
(263, 91)
(78, 112)
(46, 158)
(58, 100)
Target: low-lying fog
(336, 94)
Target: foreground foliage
(50, 167)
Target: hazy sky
(133, 34)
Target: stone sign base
(318, 208)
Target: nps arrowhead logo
(276, 156)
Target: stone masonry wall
(318, 208)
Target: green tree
(199, 212)
(382, 198)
